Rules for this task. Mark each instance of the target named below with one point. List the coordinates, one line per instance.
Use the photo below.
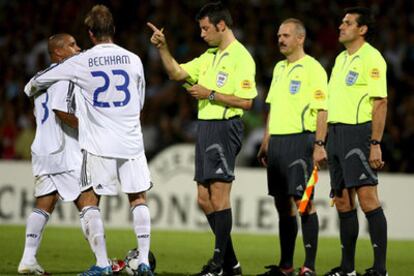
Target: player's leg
(310, 232)
(35, 225)
(142, 224)
(231, 264)
(300, 167)
(134, 177)
(339, 138)
(370, 204)
(96, 179)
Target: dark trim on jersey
(293, 68)
(70, 98)
(302, 117)
(53, 66)
(225, 111)
(354, 58)
(359, 104)
(221, 58)
(84, 178)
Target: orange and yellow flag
(308, 191)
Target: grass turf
(65, 252)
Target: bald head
(61, 46)
(299, 26)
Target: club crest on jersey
(294, 86)
(221, 79)
(351, 78)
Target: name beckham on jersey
(109, 60)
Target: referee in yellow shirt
(223, 81)
(294, 141)
(357, 107)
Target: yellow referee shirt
(230, 72)
(297, 92)
(355, 80)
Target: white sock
(84, 226)
(94, 231)
(142, 228)
(36, 222)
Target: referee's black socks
(310, 231)
(378, 232)
(288, 230)
(348, 231)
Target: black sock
(288, 230)
(378, 233)
(230, 258)
(223, 224)
(310, 230)
(211, 218)
(348, 231)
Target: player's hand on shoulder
(157, 38)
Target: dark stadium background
(169, 114)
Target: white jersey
(111, 98)
(55, 148)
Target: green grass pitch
(65, 252)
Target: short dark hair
(100, 22)
(365, 17)
(215, 13)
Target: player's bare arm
(379, 112)
(67, 118)
(319, 152)
(173, 69)
(200, 92)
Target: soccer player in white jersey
(56, 155)
(112, 96)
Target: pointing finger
(153, 28)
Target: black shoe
(210, 269)
(275, 270)
(232, 271)
(337, 271)
(372, 272)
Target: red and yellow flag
(308, 191)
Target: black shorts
(218, 143)
(348, 155)
(289, 163)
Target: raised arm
(44, 79)
(173, 69)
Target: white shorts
(67, 184)
(103, 174)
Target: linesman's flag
(308, 191)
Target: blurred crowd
(169, 115)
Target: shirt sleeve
(245, 78)
(319, 88)
(59, 94)
(269, 93)
(193, 69)
(377, 77)
(65, 70)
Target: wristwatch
(374, 142)
(212, 95)
(320, 143)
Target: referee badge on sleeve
(294, 86)
(351, 78)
